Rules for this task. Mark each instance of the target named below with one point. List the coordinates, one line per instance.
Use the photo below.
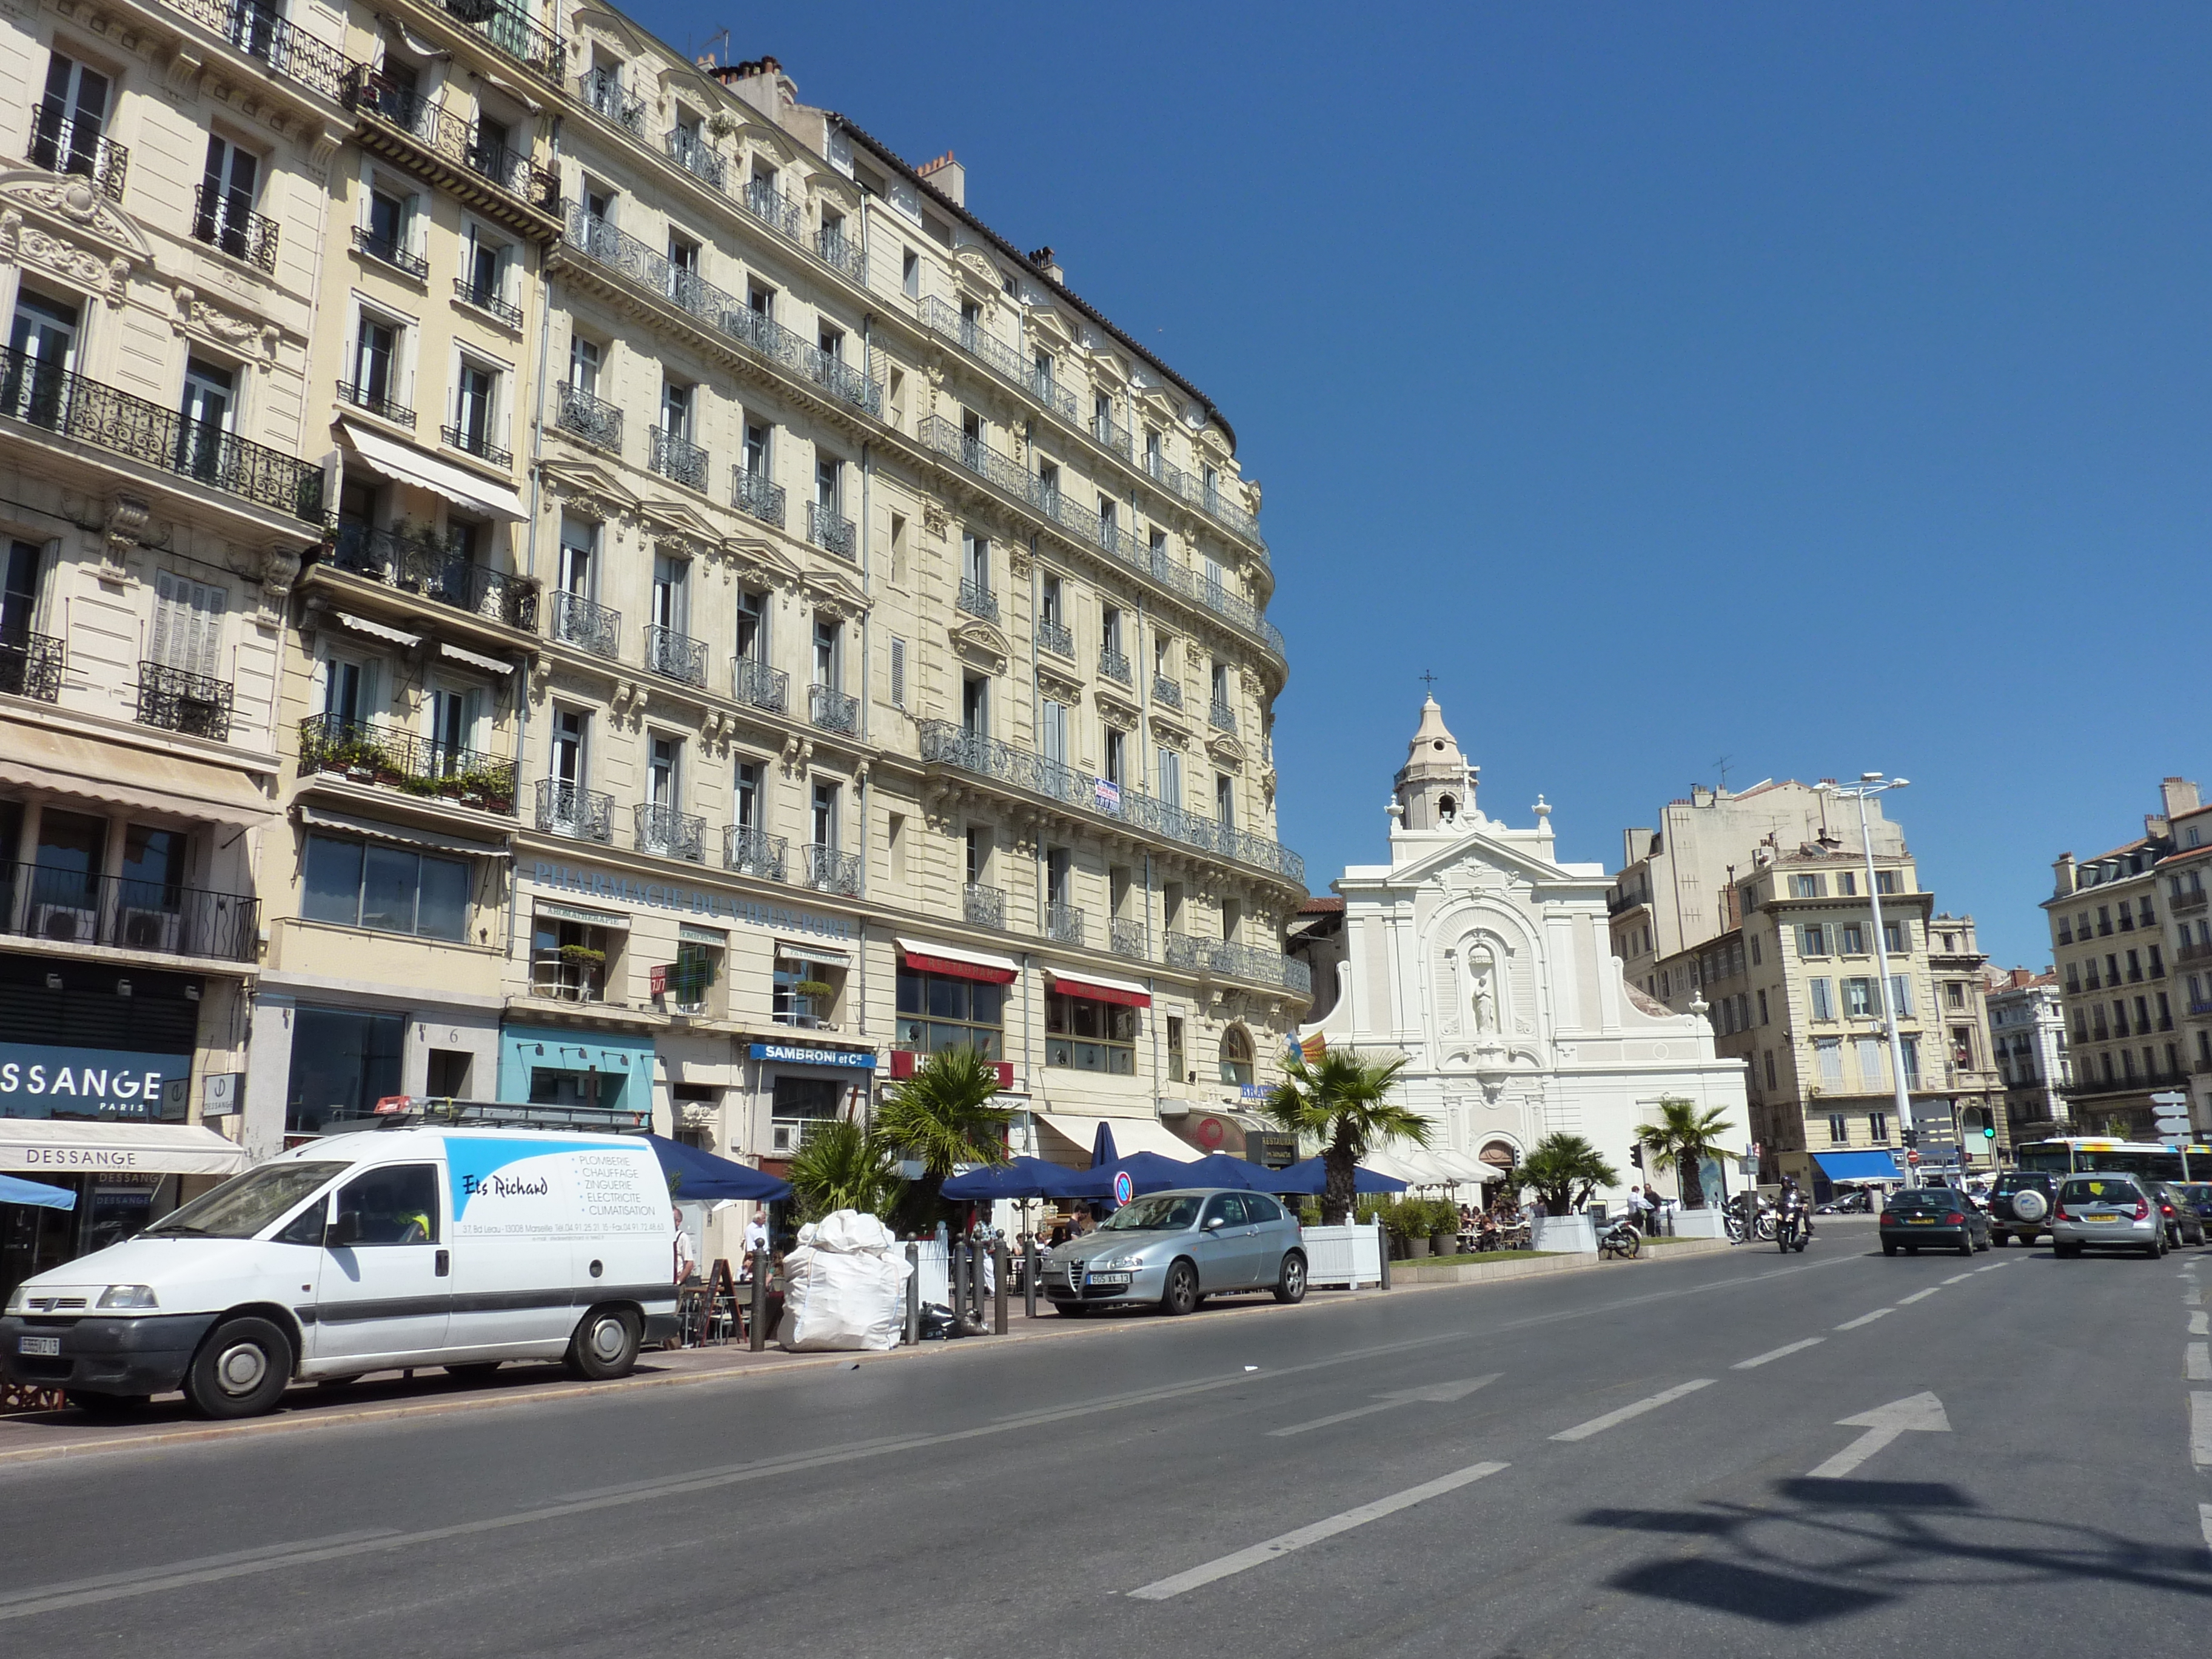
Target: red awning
(956, 969)
(1129, 997)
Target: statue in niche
(1482, 977)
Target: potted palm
(1683, 1139)
(840, 1167)
(1343, 1101)
(1563, 1170)
(945, 1115)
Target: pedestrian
(1657, 1207)
(1639, 1210)
(756, 1232)
(687, 1253)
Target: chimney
(1700, 795)
(948, 177)
(2064, 869)
(1043, 259)
(2180, 793)
(759, 81)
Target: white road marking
(2200, 1323)
(1959, 1278)
(2204, 1521)
(1754, 1362)
(1434, 1393)
(1161, 1589)
(1865, 1319)
(1920, 1413)
(1994, 1266)
(1918, 1296)
(2200, 1428)
(2196, 1365)
(1599, 1425)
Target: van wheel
(241, 1371)
(475, 1371)
(108, 1405)
(1290, 1287)
(604, 1345)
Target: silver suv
(2107, 1212)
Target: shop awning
(1858, 1166)
(561, 912)
(35, 757)
(35, 1194)
(51, 1146)
(406, 835)
(1131, 1134)
(377, 631)
(808, 950)
(474, 659)
(456, 485)
(1099, 989)
(985, 966)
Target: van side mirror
(343, 1232)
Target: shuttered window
(187, 625)
(898, 674)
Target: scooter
(1621, 1239)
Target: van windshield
(244, 1204)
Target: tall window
(205, 418)
(671, 586)
(676, 409)
(824, 816)
(584, 364)
(226, 204)
(1224, 801)
(661, 776)
(748, 791)
(976, 560)
(473, 406)
(570, 728)
(376, 362)
(975, 706)
(579, 540)
(66, 132)
(1235, 1056)
(1117, 763)
(752, 625)
(43, 339)
(1052, 731)
(187, 625)
(1170, 777)
(827, 656)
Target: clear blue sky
(1822, 386)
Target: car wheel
(241, 1371)
(107, 1405)
(1181, 1296)
(1290, 1283)
(1996, 1239)
(604, 1345)
(1888, 1249)
(1966, 1245)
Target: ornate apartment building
(2027, 1033)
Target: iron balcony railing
(475, 440)
(1167, 691)
(174, 700)
(696, 156)
(1051, 637)
(486, 298)
(755, 682)
(390, 251)
(1108, 435)
(827, 530)
(841, 252)
(71, 406)
(71, 907)
(678, 656)
(829, 871)
(1207, 498)
(591, 418)
(403, 761)
(416, 562)
(452, 138)
(503, 24)
(565, 807)
(223, 222)
(580, 622)
(32, 666)
(61, 142)
(677, 458)
(977, 600)
(1063, 923)
(1114, 666)
(1125, 936)
(774, 208)
(281, 46)
(755, 495)
(841, 379)
(1221, 717)
(1001, 359)
(661, 829)
(983, 907)
(975, 455)
(752, 852)
(601, 91)
(2194, 951)
(2190, 902)
(833, 710)
(379, 403)
(1243, 962)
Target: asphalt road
(1638, 1460)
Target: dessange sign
(40, 1080)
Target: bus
(2074, 1155)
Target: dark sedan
(1936, 1218)
(2196, 1197)
(2184, 1221)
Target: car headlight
(19, 1299)
(1120, 1263)
(128, 1295)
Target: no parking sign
(1124, 1188)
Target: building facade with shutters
(2027, 1036)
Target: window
(570, 728)
(1812, 940)
(1052, 602)
(752, 625)
(1110, 636)
(976, 560)
(1235, 1056)
(1824, 1005)
(1877, 1128)
(1770, 1068)
(1754, 951)
(937, 1012)
(663, 764)
(1808, 886)
(1224, 801)
(975, 706)
(1884, 881)
(1897, 937)
(1911, 1061)
(1901, 995)
(676, 409)
(827, 655)
(1829, 1051)
(1962, 1045)
(910, 275)
(1851, 940)
(822, 818)
(187, 625)
(799, 1103)
(1175, 1047)
(473, 406)
(1858, 998)
(1117, 759)
(1762, 1008)
(376, 377)
(389, 888)
(571, 961)
(1954, 994)
(584, 364)
(43, 339)
(747, 787)
(65, 138)
(898, 672)
(805, 991)
(1847, 884)
(1171, 778)
(225, 209)
(1052, 731)
(343, 1063)
(1840, 1132)
(483, 274)
(1083, 1034)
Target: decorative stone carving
(1020, 560)
(977, 638)
(280, 569)
(127, 517)
(935, 520)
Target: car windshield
(1163, 1212)
(2095, 1190)
(244, 1204)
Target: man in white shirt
(756, 1232)
(687, 1253)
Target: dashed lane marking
(1773, 1354)
(1612, 1420)
(1865, 1319)
(2197, 1363)
(1918, 1296)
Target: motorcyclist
(1792, 1194)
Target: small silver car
(2107, 1212)
(1177, 1249)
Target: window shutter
(165, 621)
(898, 674)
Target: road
(1850, 1454)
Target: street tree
(941, 1117)
(1682, 1139)
(1556, 1166)
(838, 1166)
(1343, 1101)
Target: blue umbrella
(1148, 1173)
(1220, 1170)
(1311, 1178)
(1020, 1177)
(35, 1193)
(1101, 1147)
(694, 1177)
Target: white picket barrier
(934, 1269)
(1349, 1257)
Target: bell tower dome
(1436, 786)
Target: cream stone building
(2027, 1037)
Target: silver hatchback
(1177, 1249)
(2105, 1212)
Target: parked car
(2183, 1224)
(2105, 1212)
(1175, 1249)
(1932, 1218)
(2194, 1197)
(2020, 1205)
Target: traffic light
(1911, 1138)
(1636, 1156)
(1988, 1129)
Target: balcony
(829, 871)
(752, 852)
(1108, 435)
(174, 700)
(2193, 951)
(377, 401)
(977, 456)
(2202, 1006)
(1244, 962)
(61, 143)
(31, 666)
(390, 251)
(452, 151)
(677, 458)
(1125, 935)
(1207, 497)
(841, 379)
(756, 685)
(2188, 904)
(500, 23)
(1114, 666)
(673, 835)
(692, 153)
(977, 601)
(68, 906)
(676, 656)
(410, 764)
(1063, 923)
(1051, 637)
(1168, 691)
(224, 222)
(833, 710)
(586, 623)
(591, 418)
(567, 808)
(754, 496)
(416, 562)
(828, 532)
(761, 198)
(485, 297)
(280, 46)
(842, 253)
(1001, 359)
(1221, 717)
(983, 907)
(88, 412)
(475, 439)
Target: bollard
(912, 1294)
(1382, 1248)
(760, 1302)
(999, 1287)
(1030, 1266)
(956, 1262)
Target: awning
(35, 757)
(577, 913)
(35, 1194)
(982, 965)
(410, 466)
(405, 835)
(1858, 1166)
(475, 659)
(377, 631)
(1099, 989)
(808, 950)
(48, 1146)
(1131, 1134)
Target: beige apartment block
(2027, 1034)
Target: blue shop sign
(859, 1059)
(39, 1079)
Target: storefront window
(798, 1103)
(1175, 1047)
(937, 1012)
(365, 885)
(568, 959)
(692, 976)
(550, 1086)
(343, 1063)
(1088, 1035)
(806, 992)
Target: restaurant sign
(686, 901)
(41, 1080)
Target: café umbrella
(1311, 1179)
(36, 1194)
(1020, 1178)
(698, 1177)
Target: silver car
(2106, 1212)
(1175, 1249)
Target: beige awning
(457, 484)
(52, 1146)
(35, 757)
(1131, 1134)
(405, 835)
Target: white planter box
(1571, 1234)
(1708, 1223)
(1351, 1256)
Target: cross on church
(1430, 680)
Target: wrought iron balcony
(754, 495)
(477, 441)
(1063, 923)
(2189, 902)
(977, 456)
(2193, 951)
(486, 298)
(661, 829)
(829, 871)
(593, 419)
(752, 852)
(85, 411)
(841, 379)
(691, 152)
(62, 144)
(390, 251)
(677, 458)
(254, 27)
(754, 683)
(774, 208)
(1108, 435)
(450, 138)
(567, 808)
(32, 666)
(1243, 962)
(841, 252)
(223, 222)
(1051, 637)
(677, 655)
(1125, 935)
(417, 562)
(976, 599)
(983, 907)
(1001, 359)
(586, 623)
(197, 705)
(601, 92)
(1209, 498)
(828, 532)
(377, 401)
(833, 710)
(69, 907)
(1167, 691)
(1222, 717)
(1113, 665)
(401, 760)
(502, 23)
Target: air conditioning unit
(65, 924)
(151, 930)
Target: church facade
(1480, 956)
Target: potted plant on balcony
(584, 956)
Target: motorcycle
(1792, 1226)
(1621, 1239)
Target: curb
(1490, 1272)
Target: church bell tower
(1436, 786)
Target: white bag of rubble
(844, 1286)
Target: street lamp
(1870, 784)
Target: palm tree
(1340, 1100)
(1682, 1139)
(1558, 1163)
(839, 1167)
(942, 1117)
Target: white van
(397, 1247)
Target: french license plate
(1924, 1221)
(49, 1346)
(1107, 1280)
(2100, 1219)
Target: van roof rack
(413, 1111)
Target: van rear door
(384, 1292)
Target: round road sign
(1124, 1188)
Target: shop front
(797, 1084)
(561, 1066)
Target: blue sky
(1824, 388)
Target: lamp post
(1871, 784)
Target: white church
(1488, 962)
